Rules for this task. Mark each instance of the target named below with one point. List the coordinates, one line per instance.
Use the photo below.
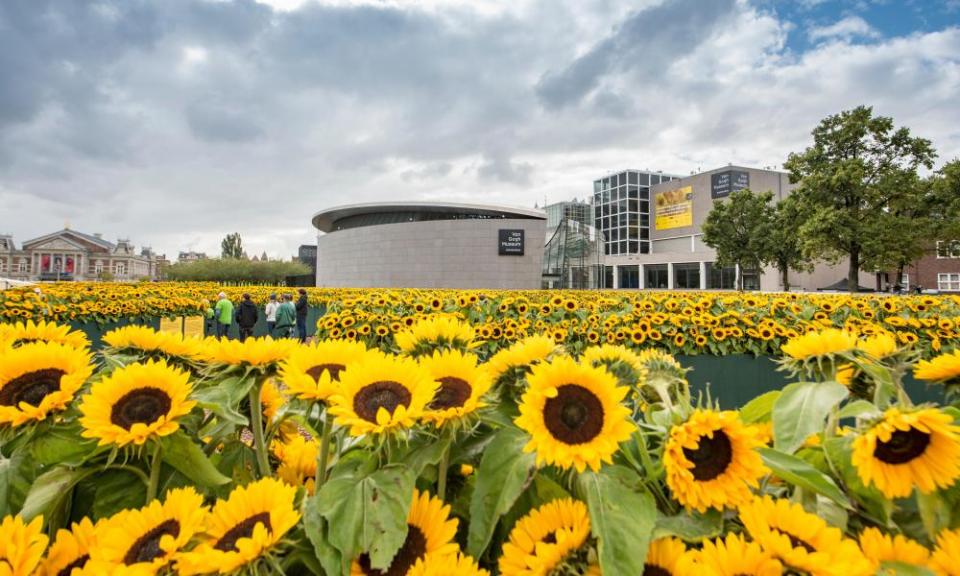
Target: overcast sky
(175, 122)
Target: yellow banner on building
(674, 208)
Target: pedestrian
(224, 315)
(208, 321)
(286, 318)
(302, 309)
(247, 314)
(270, 311)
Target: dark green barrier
(736, 379)
(96, 331)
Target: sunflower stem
(325, 434)
(256, 422)
(442, 474)
(154, 481)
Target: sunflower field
(437, 447)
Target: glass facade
(576, 211)
(657, 276)
(721, 278)
(621, 210)
(686, 276)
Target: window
(98, 268)
(120, 269)
(3, 265)
(686, 276)
(656, 276)
(723, 278)
(629, 277)
(23, 266)
(948, 249)
(948, 282)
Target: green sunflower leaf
(622, 517)
(801, 411)
(180, 452)
(802, 474)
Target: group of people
(284, 317)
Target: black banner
(511, 242)
(723, 183)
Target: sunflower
(21, 333)
(711, 461)
(298, 461)
(243, 528)
(70, 550)
(312, 372)
(619, 360)
(546, 537)
(147, 539)
(430, 531)
(906, 449)
(574, 415)
(879, 547)
(445, 565)
(943, 561)
(521, 354)
(436, 332)
(462, 385)
(136, 402)
(802, 541)
(21, 545)
(820, 344)
(944, 368)
(39, 378)
(271, 400)
(381, 394)
(732, 556)
(664, 557)
(263, 353)
(146, 340)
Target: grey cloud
(645, 43)
(498, 168)
(214, 122)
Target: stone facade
(71, 255)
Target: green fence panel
(96, 331)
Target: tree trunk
(899, 277)
(853, 272)
(739, 270)
(785, 278)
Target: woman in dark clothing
(246, 317)
(302, 309)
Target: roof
(325, 220)
(88, 237)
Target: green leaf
(316, 530)
(116, 490)
(503, 475)
(800, 473)
(838, 451)
(858, 408)
(428, 453)
(801, 410)
(368, 513)
(760, 408)
(16, 478)
(179, 451)
(61, 446)
(902, 569)
(49, 490)
(622, 517)
(691, 527)
(224, 398)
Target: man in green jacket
(286, 318)
(224, 314)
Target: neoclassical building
(72, 255)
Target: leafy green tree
(847, 183)
(735, 228)
(232, 271)
(232, 246)
(945, 196)
(782, 246)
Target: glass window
(633, 234)
(645, 193)
(644, 179)
(644, 219)
(629, 276)
(608, 277)
(597, 211)
(686, 276)
(606, 196)
(632, 205)
(656, 276)
(632, 177)
(633, 246)
(721, 278)
(644, 247)
(623, 205)
(23, 265)
(623, 246)
(644, 233)
(632, 219)
(948, 282)
(948, 249)
(644, 207)
(751, 279)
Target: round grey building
(430, 245)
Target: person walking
(270, 311)
(302, 309)
(209, 322)
(286, 318)
(224, 313)
(247, 314)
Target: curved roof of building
(376, 213)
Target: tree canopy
(232, 247)
(238, 271)
(735, 228)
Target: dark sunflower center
(140, 406)
(902, 447)
(333, 369)
(797, 542)
(654, 570)
(228, 542)
(453, 393)
(78, 563)
(147, 547)
(31, 387)
(711, 457)
(384, 394)
(574, 415)
(414, 548)
(550, 538)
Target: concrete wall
(432, 254)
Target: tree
(232, 246)
(783, 248)
(236, 271)
(735, 228)
(945, 196)
(846, 186)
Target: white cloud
(846, 29)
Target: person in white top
(271, 313)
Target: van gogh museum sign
(511, 242)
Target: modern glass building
(621, 210)
(576, 210)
